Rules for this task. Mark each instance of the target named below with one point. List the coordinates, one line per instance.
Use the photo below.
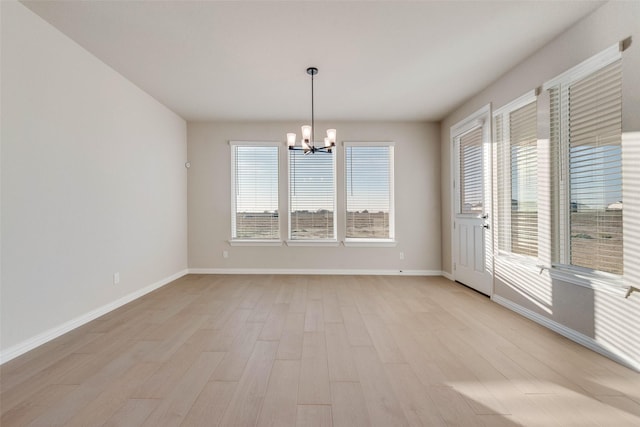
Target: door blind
(471, 172)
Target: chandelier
(307, 143)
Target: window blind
(368, 180)
(586, 129)
(595, 170)
(312, 196)
(470, 170)
(503, 183)
(524, 178)
(515, 127)
(255, 207)
(557, 178)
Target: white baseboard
(303, 271)
(447, 275)
(36, 341)
(569, 333)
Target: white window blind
(369, 191)
(517, 189)
(255, 192)
(471, 172)
(588, 126)
(312, 196)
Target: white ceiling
(377, 60)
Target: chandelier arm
(312, 150)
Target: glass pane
(595, 171)
(471, 172)
(256, 188)
(311, 195)
(368, 191)
(524, 178)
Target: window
(471, 171)
(515, 128)
(254, 199)
(312, 197)
(369, 191)
(586, 126)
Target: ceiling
(377, 60)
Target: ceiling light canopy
(307, 144)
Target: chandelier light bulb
(291, 139)
(306, 133)
(331, 134)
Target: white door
(472, 260)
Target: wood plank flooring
(349, 351)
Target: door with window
(472, 253)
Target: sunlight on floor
(557, 405)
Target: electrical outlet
(225, 254)
(401, 255)
(116, 278)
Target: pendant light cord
(313, 126)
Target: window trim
(363, 241)
(561, 268)
(585, 277)
(256, 242)
(244, 241)
(356, 242)
(314, 242)
(586, 67)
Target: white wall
(601, 319)
(93, 182)
(417, 184)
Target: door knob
(486, 226)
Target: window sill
(370, 243)
(571, 275)
(240, 242)
(313, 243)
(587, 279)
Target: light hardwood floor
(315, 351)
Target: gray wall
(93, 183)
(606, 317)
(417, 198)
